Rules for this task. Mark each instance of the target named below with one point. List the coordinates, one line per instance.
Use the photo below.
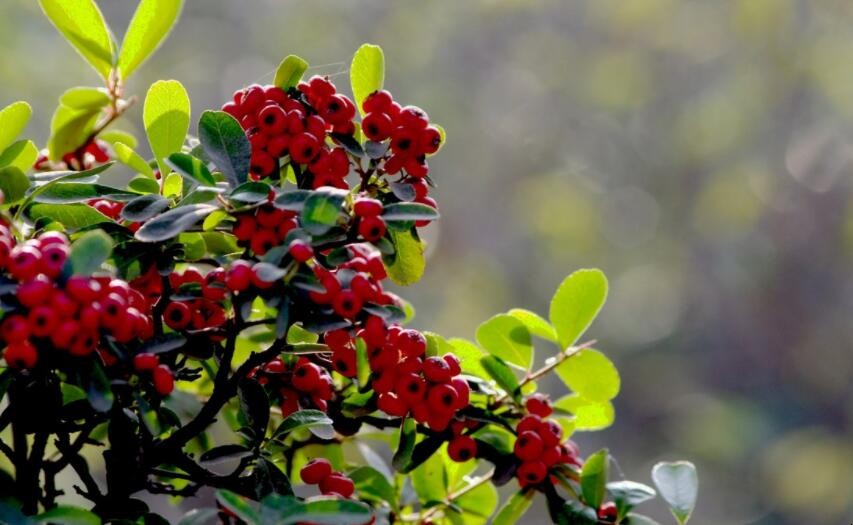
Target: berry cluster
(370, 225)
(304, 385)
(539, 444)
(161, 375)
(68, 314)
(318, 471)
(205, 308)
(295, 123)
(263, 228)
(353, 283)
(87, 156)
(412, 137)
(462, 447)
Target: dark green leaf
(290, 72)
(70, 192)
(149, 26)
(322, 209)
(408, 435)
(162, 344)
(629, 494)
(501, 373)
(377, 150)
(255, 405)
(144, 207)
(315, 420)
(191, 167)
(90, 251)
(73, 216)
(292, 200)
(173, 222)
(267, 272)
(320, 511)
(251, 192)
(225, 451)
(68, 515)
(409, 211)
(225, 142)
(241, 507)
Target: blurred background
(699, 152)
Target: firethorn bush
(223, 321)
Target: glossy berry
(436, 369)
(372, 228)
(412, 343)
(539, 405)
(337, 483)
(36, 292)
(300, 250)
(347, 304)
(411, 388)
(21, 354)
(532, 472)
(145, 362)
(177, 315)
(391, 404)
(315, 471)
(163, 380)
(608, 512)
(442, 399)
(306, 377)
(528, 446)
(462, 448)
(367, 207)
(239, 276)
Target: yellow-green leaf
(367, 72)
(13, 120)
(21, 155)
(591, 374)
(167, 119)
(290, 72)
(409, 264)
(151, 22)
(508, 338)
(589, 415)
(131, 159)
(83, 25)
(577, 301)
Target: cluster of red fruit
(263, 228)
(205, 308)
(540, 444)
(370, 225)
(89, 155)
(305, 385)
(161, 375)
(412, 137)
(353, 283)
(318, 471)
(281, 123)
(68, 313)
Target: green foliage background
(699, 152)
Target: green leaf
(577, 301)
(678, 485)
(69, 129)
(409, 211)
(90, 251)
(83, 25)
(111, 136)
(469, 356)
(68, 515)
(292, 200)
(535, 324)
(589, 415)
(69, 192)
(173, 222)
(173, 185)
(21, 154)
(317, 421)
(478, 504)
(144, 207)
(131, 159)
(430, 480)
(224, 451)
(628, 494)
(13, 120)
(167, 119)
(501, 373)
(639, 519)
(408, 436)
(225, 142)
(508, 338)
(322, 209)
(149, 26)
(594, 478)
(85, 98)
(408, 264)
(73, 216)
(287, 510)
(591, 374)
(241, 507)
(191, 167)
(144, 184)
(290, 72)
(251, 192)
(13, 183)
(514, 508)
(255, 405)
(367, 72)
(373, 485)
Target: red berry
(52, 237)
(270, 217)
(53, 257)
(437, 370)
(163, 380)
(64, 335)
(371, 228)
(337, 483)
(608, 512)
(412, 343)
(276, 366)
(462, 390)
(320, 87)
(177, 315)
(551, 432)
(272, 119)
(530, 422)
(528, 446)
(377, 101)
(21, 354)
(277, 146)
(462, 448)
(239, 276)
(36, 292)
(391, 404)
(252, 99)
(42, 320)
(539, 405)
(145, 362)
(377, 126)
(347, 304)
(262, 164)
(306, 377)
(344, 361)
(300, 250)
(442, 399)
(453, 362)
(304, 147)
(532, 472)
(411, 388)
(25, 262)
(365, 207)
(15, 328)
(315, 471)
(245, 227)
(430, 140)
(113, 307)
(263, 241)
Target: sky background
(697, 151)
